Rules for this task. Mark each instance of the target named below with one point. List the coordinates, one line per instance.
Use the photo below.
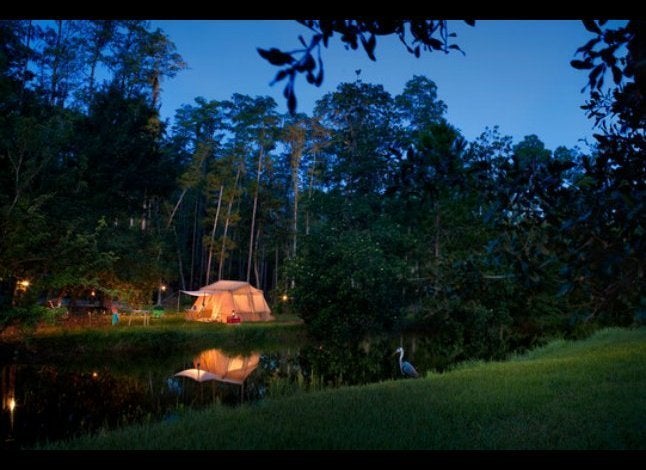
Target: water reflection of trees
(334, 363)
(52, 403)
(326, 364)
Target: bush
(347, 285)
(50, 315)
(25, 317)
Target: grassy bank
(584, 395)
(166, 335)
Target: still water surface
(50, 401)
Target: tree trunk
(437, 246)
(170, 219)
(276, 269)
(103, 31)
(253, 213)
(17, 165)
(295, 163)
(263, 270)
(144, 214)
(255, 257)
(226, 224)
(155, 89)
(437, 230)
(309, 197)
(179, 261)
(55, 64)
(200, 252)
(95, 59)
(295, 227)
(25, 66)
(215, 223)
(193, 245)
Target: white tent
(226, 301)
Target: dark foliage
(605, 255)
(428, 35)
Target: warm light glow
(163, 288)
(95, 374)
(24, 283)
(284, 298)
(93, 293)
(12, 404)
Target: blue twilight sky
(515, 74)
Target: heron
(405, 367)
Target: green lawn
(584, 395)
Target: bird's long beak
(394, 353)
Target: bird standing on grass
(405, 367)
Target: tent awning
(197, 293)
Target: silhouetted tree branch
(416, 35)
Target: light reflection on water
(58, 401)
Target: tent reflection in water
(230, 369)
(198, 375)
(218, 301)
(216, 365)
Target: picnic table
(143, 314)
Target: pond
(50, 401)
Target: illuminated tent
(218, 301)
